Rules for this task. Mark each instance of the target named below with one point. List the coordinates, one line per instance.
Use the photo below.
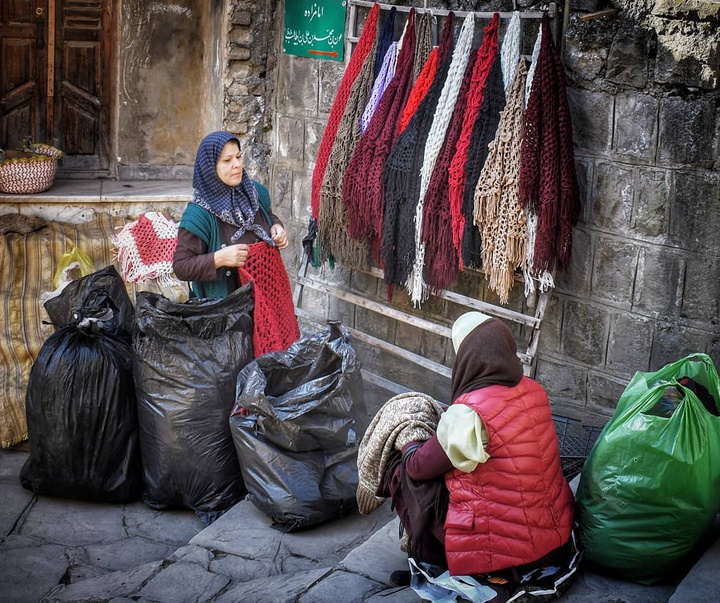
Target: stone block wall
(642, 290)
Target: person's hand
(279, 235)
(232, 256)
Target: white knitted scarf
(441, 120)
(510, 51)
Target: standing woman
(228, 236)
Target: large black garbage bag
(296, 425)
(187, 357)
(104, 286)
(80, 402)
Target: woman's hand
(279, 235)
(232, 256)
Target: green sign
(315, 29)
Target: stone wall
(643, 286)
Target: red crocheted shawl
(456, 173)
(275, 324)
(363, 185)
(548, 180)
(365, 43)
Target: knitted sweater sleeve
(428, 461)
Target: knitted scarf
(498, 215)
(435, 139)
(385, 39)
(424, 45)
(333, 237)
(408, 417)
(274, 324)
(510, 50)
(548, 182)
(483, 131)
(401, 175)
(441, 263)
(382, 81)
(365, 44)
(362, 185)
(456, 173)
(419, 90)
(236, 205)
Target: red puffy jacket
(518, 506)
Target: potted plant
(29, 169)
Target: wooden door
(23, 71)
(56, 79)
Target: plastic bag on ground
(80, 404)
(296, 425)
(187, 357)
(650, 488)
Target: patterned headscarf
(236, 205)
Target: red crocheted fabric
(275, 324)
(441, 260)
(419, 90)
(548, 181)
(363, 185)
(365, 43)
(456, 173)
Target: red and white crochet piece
(145, 249)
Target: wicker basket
(31, 172)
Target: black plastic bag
(186, 361)
(102, 288)
(297, 422)
(80, 402)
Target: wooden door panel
(22, 73)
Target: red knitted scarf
(419, 90)
(275, 324)
(456, 173)
(441, 260)
(548, 181)
(362, 185)
(365, 43)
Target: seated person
(485, 498)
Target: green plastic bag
(650, 487)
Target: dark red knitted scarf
(441, 260)
(401, 175)
(456, 173)
(364, 45)
(362, 185)
(275, 324)
(548, 180)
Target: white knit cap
(464, 325)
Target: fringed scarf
(333, 236)
(456, 174)
(365, 44)
(498, 215)
(483, 133)
(441, 265)
(548, 182)
(275, 327)
(441, 119)
(362, 185)
(401, 175)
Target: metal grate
(576, 441)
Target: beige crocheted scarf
(497, 213)
(408, 417)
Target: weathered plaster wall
(171, 64)
(643, 288)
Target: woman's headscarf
(486, 356)
(236, 205)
